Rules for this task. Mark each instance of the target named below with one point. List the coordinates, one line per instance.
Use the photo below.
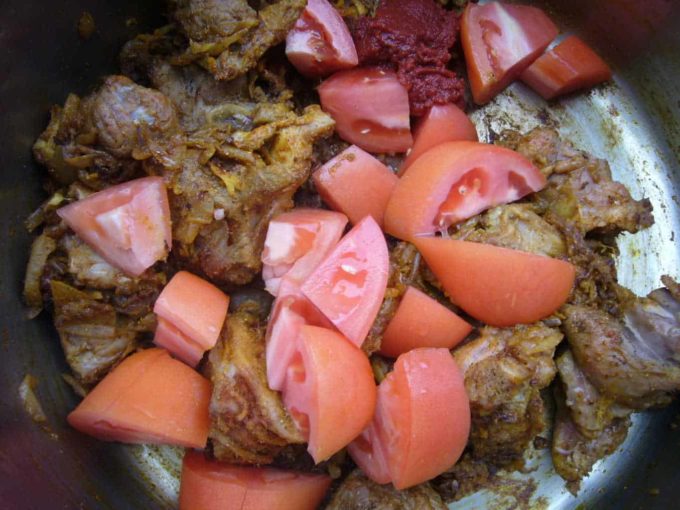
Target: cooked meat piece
(125, 114)
(92, 139)
(404, 271)
(590, 411)
(573, 454)
(636, 363)
(228, 37)
(224, 192)
(359, 493)
(515, 226)
(580, 188)
(505, 370)
(249, 424)
(93, 336)
(89, 269)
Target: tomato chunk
(422, 421)
(297, 241)
(179, 345)
(348, 287)
(148, 398)
(569, 66)
(320, 43)
(422, 322)
(454, 181)
(441, 123)
(329, 390)
(356, 183)
(127, 225)
(291, 311)
(196, 309)
(211, 485)
(370, 109)
(500, 41)
(498, 286)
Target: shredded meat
(505, 370)
(248, 421)
(359, 493)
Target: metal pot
(634, 123)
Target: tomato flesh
(370, 108)
(128, 225)
(179, 344)
(498, 286)
(297, 241)
(455, 181)
(326, 379)
(319, 42)
(500, 41)
(441, 123)
(349, 285)
(211, 485)
(570, 66)
(421, 424)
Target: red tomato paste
(414, 37)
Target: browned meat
(505, 370)
(515, 226)
(404, 271)
(636, 363)
(580, 188)
(248, 421)
(359, 493)
(93, 139)
(93, 336)
(226, 188)
(574, 454)
(228, 37)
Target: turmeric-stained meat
(248, 421)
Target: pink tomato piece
(179, 345)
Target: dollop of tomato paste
(414, 38)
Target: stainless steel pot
(634, 123)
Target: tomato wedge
(329, 390)
(348, 287)
(569, 66)
(192, 312)
(500, 41)
(291, 311)
(370, 108)
(336, 181)
(211, 485)
(422, 421)
(297, 241)
(422, 322)
(441, 123)
(148, 398)
(319, 42)
(454, 181)
(127, 225)
(498, 286)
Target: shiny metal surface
(634, 123)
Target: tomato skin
(148, 398)
(370, 108)
(515, 35)
(297, 241)
(356, 183)
(177, 343)
(453, 182)
(570, 66)
(422, 420)
(498, 286)
(441, 123)
(320, 43)
(420, 321)
(348, 287)
(128, 225)
(211, 485)
(330, 383)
